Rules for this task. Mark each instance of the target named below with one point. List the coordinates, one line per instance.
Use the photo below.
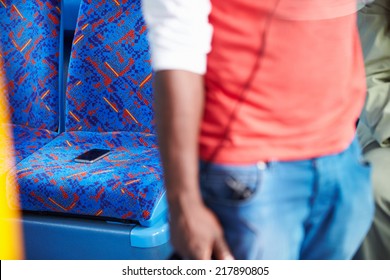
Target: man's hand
(197, 234)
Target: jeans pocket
(231, 186)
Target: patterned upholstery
(29, 46)
(29, 42)
(126, 184)
(28, 140)
(109, 83)
(109, 106)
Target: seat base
(63, 238)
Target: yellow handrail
(11, 245)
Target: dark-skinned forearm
(179, 99)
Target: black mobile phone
(92, 155)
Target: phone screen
(92, 155)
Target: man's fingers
(200, 253)
(205, 254)
(221, 250)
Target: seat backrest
(29, 43)
(109, 81)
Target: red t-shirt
(306, 95)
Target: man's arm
(180, 39)
(195, 231)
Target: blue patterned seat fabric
(29, 43)
(27, 140)
(109, 86)
(29, 47)
(109, 106)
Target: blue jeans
(319, 208)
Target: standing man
(256, 104)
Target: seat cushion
(127, 184)
(28, 140)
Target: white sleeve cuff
(168, 60)
(179, 34)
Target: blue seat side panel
(49, 237)
(71, 12)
